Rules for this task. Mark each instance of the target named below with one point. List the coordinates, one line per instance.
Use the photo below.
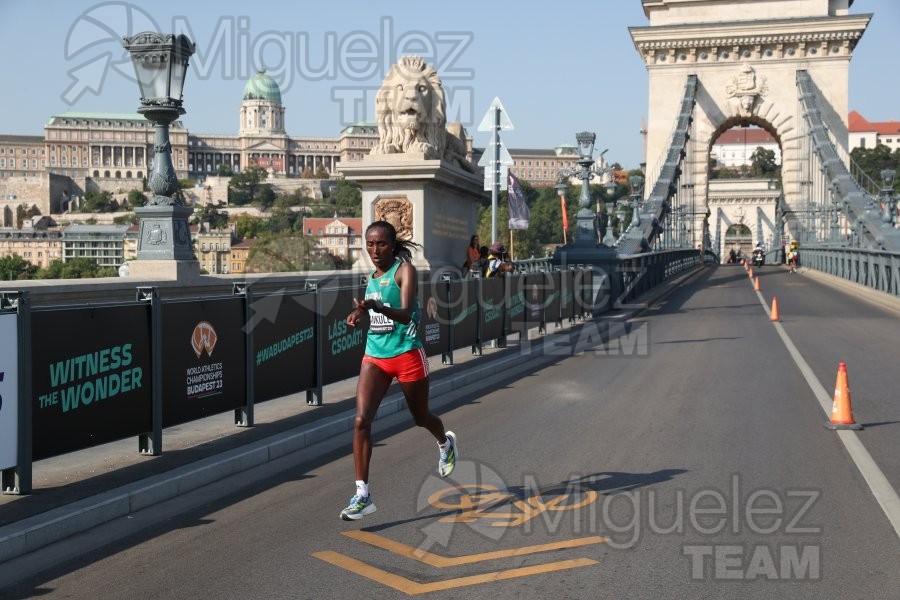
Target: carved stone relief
(399, 213)
(744, 91)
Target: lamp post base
(603, 262)
(164, 233)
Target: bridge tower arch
(745, 56)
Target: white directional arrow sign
(489, 178)
(487, 162)
(489, 121)
(488, 157)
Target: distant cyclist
(393, 349)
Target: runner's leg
(371, 387)
(416, 393)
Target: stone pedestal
(603, 262)
(164, 244)
(154, 270)
(431, 202)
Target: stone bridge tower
(746, 55)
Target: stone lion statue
(410, 109)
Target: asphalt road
(687, 459)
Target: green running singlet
(388, 338)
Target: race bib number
(379, 323)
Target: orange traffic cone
(756, 285)
(750, 272)
(774, 315)
(841, 413)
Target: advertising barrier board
(9, 392)
(284, 349)
(204, 358)
(464, 312)
(343, 346)
(492, 308)
(90, 377)
(434, 322)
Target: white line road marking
(881, 488)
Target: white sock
(362, 489)
(445, 446)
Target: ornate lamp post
(585, 247)
(586, 226)
(889, 203)
(160, 65)
(835, 215)
(636, 183)
(610, 238)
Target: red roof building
(735, 147)
(866, 134)
(339, 236)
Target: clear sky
(568, 67)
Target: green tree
(51, 271)
(246, 227)
(281, 220)
(307, 173)
(211, 213)
(244, 186)
(265, 197)
(99, 202)
(321, 172)
(136, 198)
(762, 163)
(873, 160)
(15, 267)
(80, 267)
(289, 252)
(225, 171)
(347, 198)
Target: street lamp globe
(586, 141)
(561, 189)
(160, 64)
(636, 182)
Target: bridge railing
(77, 375)
(876, 269)
(639, 273)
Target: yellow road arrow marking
(413, 588)
(436, 560)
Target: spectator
(496, 262)
(473, 255)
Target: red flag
(565, 215)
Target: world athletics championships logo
(203, 338)
(94, 42)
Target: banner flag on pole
(565, 215)
(519, 213)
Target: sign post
(493, 121)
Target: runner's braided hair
(402, 248)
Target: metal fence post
(447, 357)
(314, 394)
(243, 415)
(479, 319)
(17, 480)
(150, 443)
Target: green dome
(262, 87)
